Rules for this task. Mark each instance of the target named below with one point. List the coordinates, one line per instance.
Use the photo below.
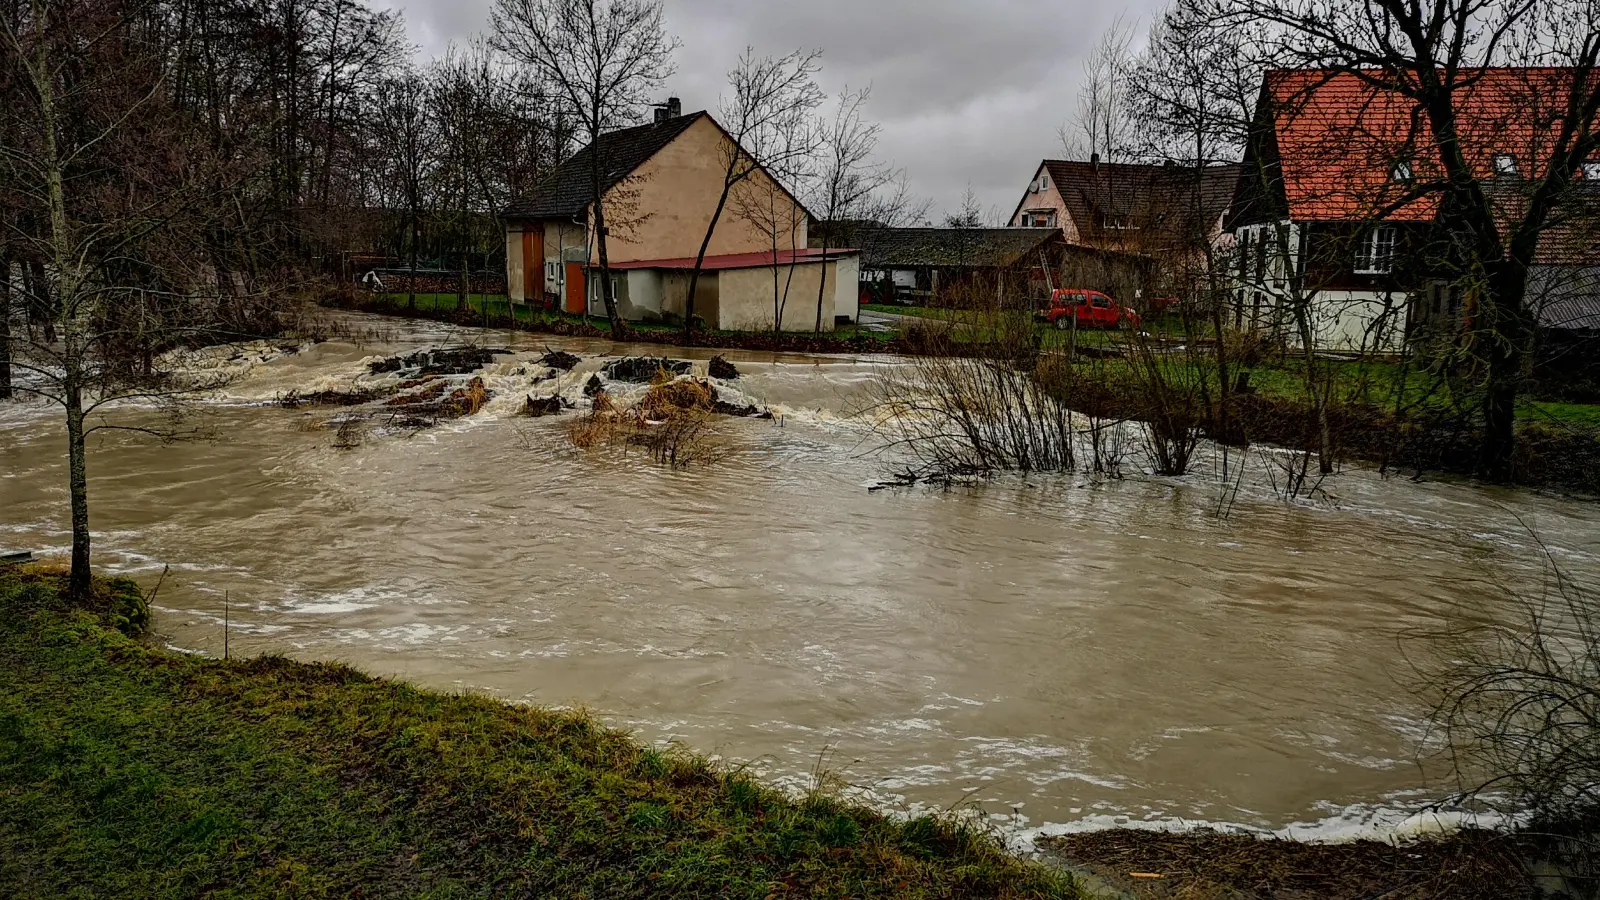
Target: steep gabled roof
(565, 193)
(905, 248)
(1339, 137)
(1172, 201)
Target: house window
(553, 273)
(1118, 223)
(1402, 171)
(1505, 164)
(1375, 255)
(1039, 220)
(1591, 170)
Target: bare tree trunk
(72, 352)
(607, 292)
(699, 260)
(5, 327)
(1508, 352)
(77, 480)
(822, 286)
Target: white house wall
(1358, 321)
(745, 298)
(847, 290)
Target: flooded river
(1050, 649)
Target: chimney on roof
(1094, 159)
(671, 109)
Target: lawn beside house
(132, 772)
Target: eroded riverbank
(1049, 649)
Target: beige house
(660, 184)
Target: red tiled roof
(739, 260)
(1340, 137)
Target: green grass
(131, 772)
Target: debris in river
(595, 387)
(560, 359)
(721, 368)
(750, 411)
(355, 397)
(665, 400)
(538, 407)
(349, 435)
(441, 361)
(432, 390)
(644, 369)
(465, 401)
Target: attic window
(1402, 171)
(1591, 170)
(1119, 223)
(1505, 164)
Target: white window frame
(1505, 164)
(1373, 257)
(1402, 172)
(1590, 169)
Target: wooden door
(577, 299)
(533, 268)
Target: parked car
(1091, 309)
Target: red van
(1092, 309)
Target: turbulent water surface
(1051, 649)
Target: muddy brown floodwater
(1053, 650)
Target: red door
(577, 299)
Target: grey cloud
(969, 93)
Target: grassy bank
(127, 771)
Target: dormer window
(1505, 164)
(1402, 172)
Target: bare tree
(1435, 56)
(409, 155)
(119, 193)
(602, 58)
(767, 204)
(767, 93)
(1104, 127)
(849, 179)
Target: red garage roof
(740, 260)
(1340, 137)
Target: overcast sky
(970, 92)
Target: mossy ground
(127, 771)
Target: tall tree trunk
(69, 283)
(694, 277)
(822, 285)
(77, 480)
(1513, 328)
(5, 327)
(411, 279)
(607, 291)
